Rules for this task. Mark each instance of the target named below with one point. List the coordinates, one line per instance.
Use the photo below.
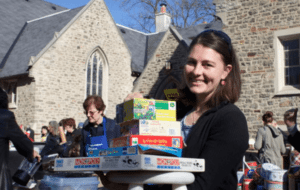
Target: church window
(94, 75)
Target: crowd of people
(213, 128)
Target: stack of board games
(148, 126)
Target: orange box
(132, 140)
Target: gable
(34, 36)
(14, 14)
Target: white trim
(280, 87)
(47, 16)
(147, 34)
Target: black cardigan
(220, 136)
(295, 140)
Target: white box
(132, 162)
(151, 127)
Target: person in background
(290, 119)
(10, 131)
(99, 128)
(270, 142)
(53, 140)
(44, 133)
(70, 126)
(30, 133)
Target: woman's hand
(36, 155)
(110, 185)
(133, 95)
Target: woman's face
(204, 71)
(44, 131)
(93, 114)
(51, 129)
(69, 128)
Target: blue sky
(118, 14)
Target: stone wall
(251, 25)
(60, 73)
(169, 50)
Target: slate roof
(141, 46)
(14, 14)
(34, 37)
(20, 39)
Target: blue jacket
(112, 131)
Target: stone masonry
(251, 25)
(56, 89)
(169, 50)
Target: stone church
(52, 58)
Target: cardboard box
(148, 109)
(136, 150)
(151, 127)
(132, 140)
(130, 163)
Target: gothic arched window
(94, 77)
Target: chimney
(162, 19)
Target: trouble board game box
(136, 150)
(148, 109)
(151, 127)
(130, 163)
(132, 140)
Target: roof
(14, 14)
(142, 46)
(34, 37)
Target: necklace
(194, 121)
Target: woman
(270, 142)
(53, 140)
(213, 128)
(290, 119)
(44, 133)
(99, 130)
(10, 131)
(69, 125)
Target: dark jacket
(10, 131)
(112, 131)
(71, 136)
(220, 137)
(295, 140)
(52, 146)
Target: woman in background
(269, 142)
(44, 133)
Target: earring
(223, 82)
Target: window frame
(14, 99)
(282, 35)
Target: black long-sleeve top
(220, 136)
(10, 131)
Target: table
(136, 179)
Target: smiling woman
(213, 127)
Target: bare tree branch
(184, 13)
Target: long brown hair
(231, 90)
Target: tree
(185, 13)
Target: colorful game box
(132, 140)
(136, 150)
(151, 127)
(148, 109)
(130, 163)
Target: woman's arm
(259, 139)
(22, 143)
